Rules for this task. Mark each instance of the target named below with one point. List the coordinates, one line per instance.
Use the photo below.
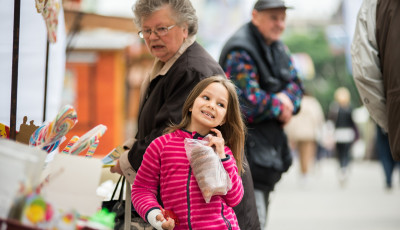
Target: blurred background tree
(331, 71)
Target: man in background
(270, 92)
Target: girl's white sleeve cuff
(151, 217)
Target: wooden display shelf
(10, 224)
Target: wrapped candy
(113, 155)
(208, 170)
(89, 139)
(40, 5)
(37, 212)
(50, 15)
(73, 140)
(170, 214)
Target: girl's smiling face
(209, 109)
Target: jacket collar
(161, 68)
(187, 134)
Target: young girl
(211, 108)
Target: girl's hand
(167, 224)
(219, 143)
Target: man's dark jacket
(266, 144)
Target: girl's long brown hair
(233, 130)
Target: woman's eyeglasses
(160, 31)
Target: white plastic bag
(207, 168)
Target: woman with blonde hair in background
(346, 132)
(304, 133)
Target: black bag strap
(121, 191)
(116, 187)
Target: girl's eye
(205, 98)
(221, 105)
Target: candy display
(38, 204)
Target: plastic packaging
(208, 170)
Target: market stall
(43, 186)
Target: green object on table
(104, 217)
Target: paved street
(322, 204)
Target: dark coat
(387, 37)
(266, 143)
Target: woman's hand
(219, 143)
(116, 168)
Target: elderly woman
(168, 28)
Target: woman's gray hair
(184, 13)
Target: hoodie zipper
(188, 197)
(228, 224)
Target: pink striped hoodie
(165, 164)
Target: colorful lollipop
(39, 135)
(73, 140)
(92, 148)
(65, 121)
(53, 132)
(52, 147)
(88, 139)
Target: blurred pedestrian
(375, 54)
(257, 61)
(382, 149)
(304, 133)
(346, 131)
